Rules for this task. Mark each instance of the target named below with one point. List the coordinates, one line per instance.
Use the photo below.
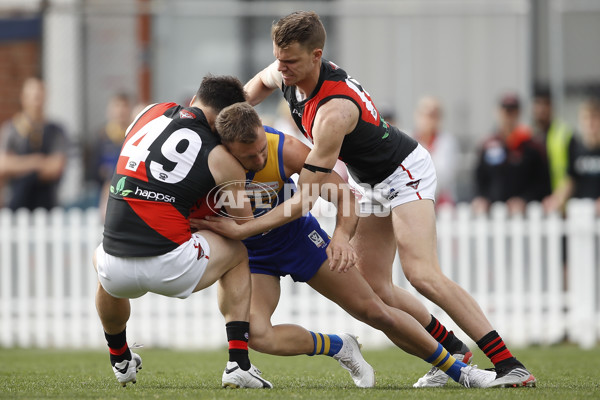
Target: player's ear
(317, 54)
(192, 100)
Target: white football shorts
(174, 274)
(414, 179)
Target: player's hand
(341, 254)
(222, 225)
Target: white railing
(513, 266)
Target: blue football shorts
(296, 249)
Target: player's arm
(229, 174)
(263, 84)
(333, 121)
(334, 189)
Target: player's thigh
(415, 232)
(376, 248)
(225, 254)
(349, 290)
(265, 297)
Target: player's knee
(377, 314)
(238, 251)
(260, 340)
(425, 283)
(384, 291)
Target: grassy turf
(563, 372)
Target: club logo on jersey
(185, 114)
(119, 189)
(262, 195)
(414, 184)
(387, 128)
(317, 239)
(162, 176)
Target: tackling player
(301, 249)
(170, 158)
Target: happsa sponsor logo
(154, 196)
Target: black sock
(443, 336)
(237, 336)
(117, 345)
(494, 348)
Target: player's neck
(209, 112)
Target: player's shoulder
(332, 71)
(223, 165)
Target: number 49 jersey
(161, 172)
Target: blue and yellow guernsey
(296, 248)
(268, 188)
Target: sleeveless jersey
(268, 188)
(374, 149)
(162, 170)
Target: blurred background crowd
(503, 93)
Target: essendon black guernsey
(374, 149)
(162, 171)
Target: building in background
(466, 52)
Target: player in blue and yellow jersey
(302, 249)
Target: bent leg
(354, 294)
(376, 249)
(414, 229)
(351, 292)
(228, 264)
(113, 312)
(279, 340)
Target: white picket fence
(513, 266)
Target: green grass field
(563, 372)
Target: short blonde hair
(238, 123)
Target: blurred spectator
(107, 143)
(32, 152)
(583, 172)
(442, 146)
(555, 134)
(512, 166)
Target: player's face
(296, 63)
(252, 156)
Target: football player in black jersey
(171, 158)
(397, 179)
(300, 249)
